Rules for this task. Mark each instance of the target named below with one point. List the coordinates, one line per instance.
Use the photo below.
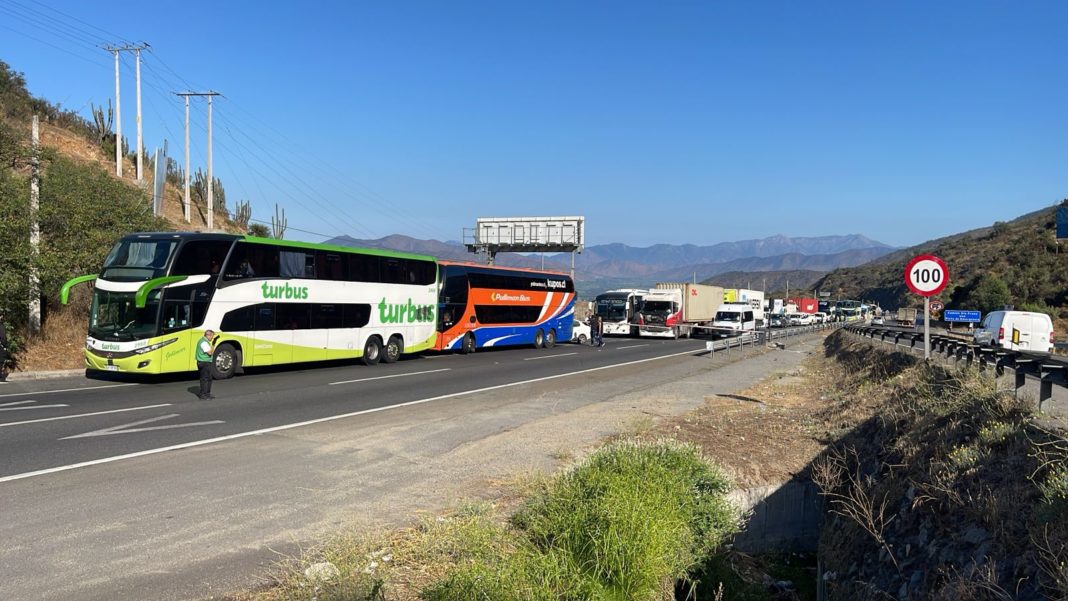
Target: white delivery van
(1016, 331)
(733, 319)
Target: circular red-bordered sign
(926, 275)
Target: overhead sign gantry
(492, 235)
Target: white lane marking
(130, 429)
(52, 419)
(25, 407)
(2, 396)
(619, 348)
(549, 356)
(13, 403)
(414, 373)
(199, 443)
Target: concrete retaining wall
(785, 517)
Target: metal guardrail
(764, 336)
(1050, 371)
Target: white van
(1016, 331)
(733, 319)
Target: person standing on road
(597, 331)
(203, 354)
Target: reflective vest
(203, 350)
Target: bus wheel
(539, 339)
(393, 349)
(468, 345)
(372, 351)
(224, 363)
(550, 339)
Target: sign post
(926, 275)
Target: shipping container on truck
(678, 309)
(805, 305)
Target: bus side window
(176, 314)
(297, 264)
(361, 268)
(394, 271)
(264, 317)
(329, 266)
(201, 256)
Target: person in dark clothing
(203, 354)
(597, 331)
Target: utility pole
(211, 178)
(185, 195)
(118, 118)
(211, 181)
(140, 142)
(35, 230)
(118, 109)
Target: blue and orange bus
(482, 306)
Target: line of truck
(680, 309)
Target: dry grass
(62, 339)
(948, 455)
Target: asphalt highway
(64, 425)
(120, 490)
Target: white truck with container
(674, 309)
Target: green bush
(623, 525)
(83, 211)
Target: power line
(49, 24)
(109, 34)
(327, 236)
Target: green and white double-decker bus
(270, 301)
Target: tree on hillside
(15, 240)
(83, 212)
(990, 293)
(259, 230)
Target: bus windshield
(612, 309)
(114, 317)
(137, 260)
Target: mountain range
(605, 266)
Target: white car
(580, 332)
(877, 321)
(799, 319)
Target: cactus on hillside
(242, 214)
(279, 223)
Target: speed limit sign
(926, 275)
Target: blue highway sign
(962, 316)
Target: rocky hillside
(1017, 262)
(794, 280)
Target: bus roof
(288, 243)
(339, 248)
(498, 267)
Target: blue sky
(675, 122)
